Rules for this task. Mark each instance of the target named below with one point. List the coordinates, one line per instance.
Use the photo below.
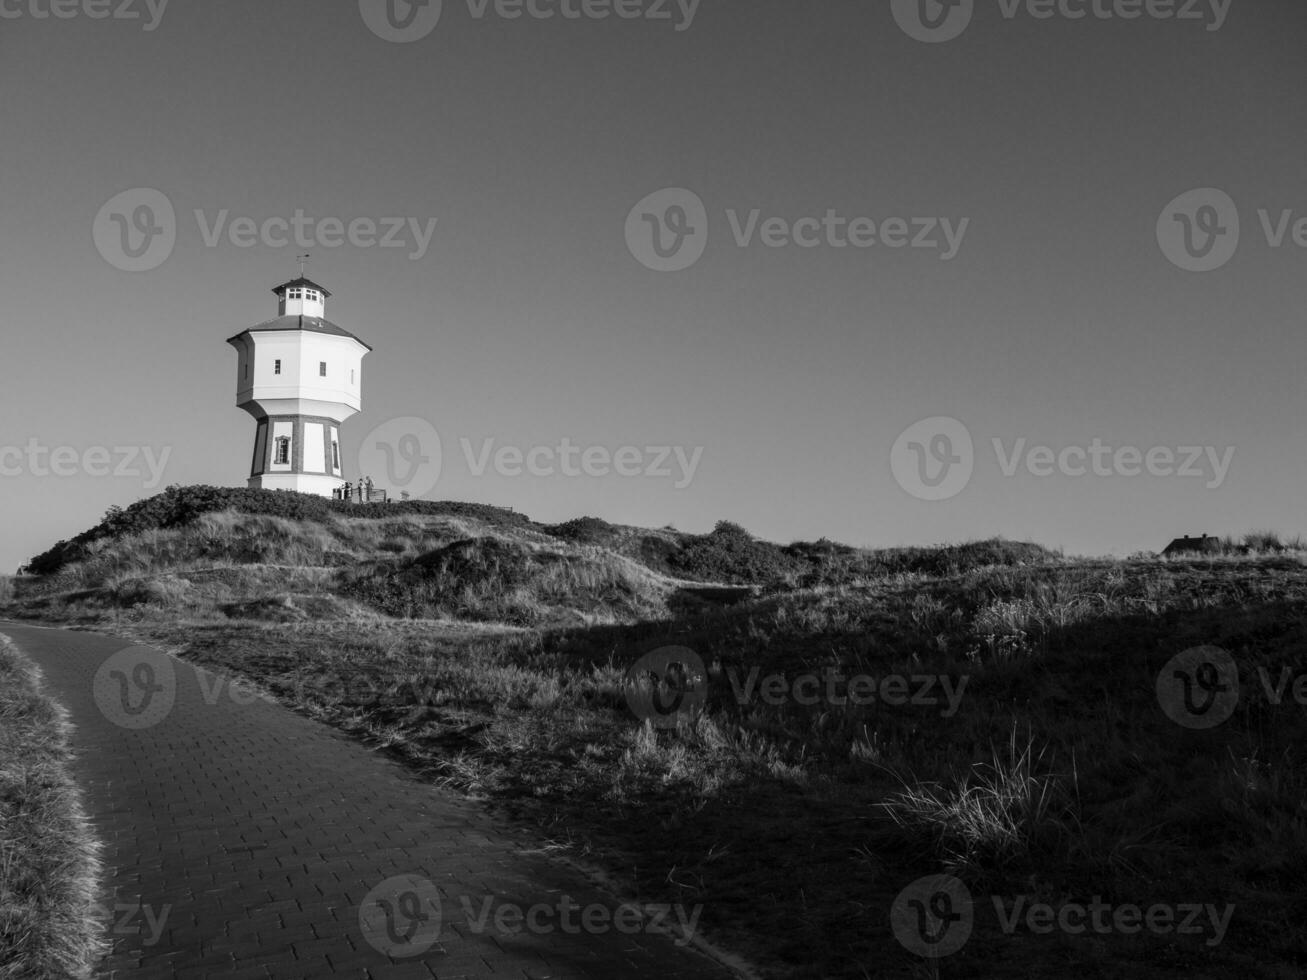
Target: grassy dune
(491, 654)
(49, 923)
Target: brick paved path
(261, 834)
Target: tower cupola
(301, 297)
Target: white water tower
(300, 376)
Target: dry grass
(49, 865)
(794, 824)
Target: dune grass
(49, 923)
(794, 825)
(492, 657)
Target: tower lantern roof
(301, 305)
(302, 283)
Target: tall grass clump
(50, 925)
(1005, 812)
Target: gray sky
(1056, 316)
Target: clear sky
(533, 317)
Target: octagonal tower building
(300, 376)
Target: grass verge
(49, 863)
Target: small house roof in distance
(1202, 543)
(309, 324)
(301, 281)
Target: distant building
(300, 376)
(1187, 545)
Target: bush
(1263, 541)
(731, 554)
(583, 530)
(954, 559)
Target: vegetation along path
(243, 840)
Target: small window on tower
(283, 451)
(351, 375)
(335, 455)
(322, 369)
(276, 366)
